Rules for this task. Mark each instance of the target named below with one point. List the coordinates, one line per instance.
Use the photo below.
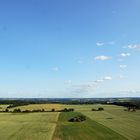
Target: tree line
(18, 110)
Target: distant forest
(126, 102)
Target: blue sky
(69, 48)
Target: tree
(93, 109)
(100, 108)
(16, 110)
(79, 118)
(53, 110)
(6, 110)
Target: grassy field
(87, 130)
(40, 126)
(114, 117)
(27, 126)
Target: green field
(87, 130)
(112, 123)
(29, 126)
(114, 117)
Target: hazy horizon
(69, 49)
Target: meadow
(114, 117)
(112, 123)
(27, 126)
(87, 130)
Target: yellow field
(46, 107)
(3, 107)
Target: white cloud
(123, 66)
(134, 46)
(90, 86)
(103, 79)
(106, 43)
(108, 78)
(102, 57)
(55, 69)
(99, 44)
(125, 54)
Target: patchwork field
(29, 126)
(112, 123)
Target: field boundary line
(55, 125)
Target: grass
(87, 130)
(27, 126)
(114, 117)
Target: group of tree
(129, 104)
(63, 110)
(99, 109)
(17, 104)
(67, 110)
(130, 109)
(78, 118)
(18, 110)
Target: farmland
(46, 107)
(112, 123)
(87, 130)
(31, 126)
(125, 123)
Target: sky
(69, 48)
